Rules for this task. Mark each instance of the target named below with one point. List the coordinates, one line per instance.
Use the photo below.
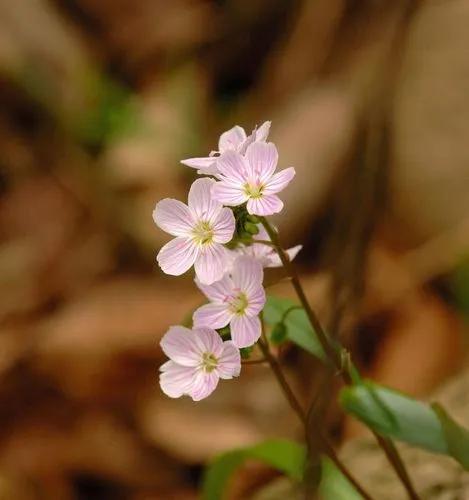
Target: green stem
(335, 357)
(297, 408)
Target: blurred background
(99, 101)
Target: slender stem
(297, 408)
(331, 352)
(334, 355)
(253, 361)
(264, 242)
(288, 311)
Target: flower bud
(251, 228)
(225, 331)
(253, 218)
(278, 334)
(246, 352)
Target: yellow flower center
(239, 304)
(253, 190)
(203, 233)
(209, 362)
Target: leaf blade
(282, 454)
(299, 330)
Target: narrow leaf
(334, 485)
(392, 414)
(457, 437)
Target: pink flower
(197, 360)
(201, 228)
(266, 255)
(237, 300)
(251, 179)
(234, 139)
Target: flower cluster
(219, 233)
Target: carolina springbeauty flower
(198, 359)
(234, 139)
(237, 299)
(251, 179)
(266, 255)
(201, 228)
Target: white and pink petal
(176, 380)
(234, 167)
(279, 181)
(231, 139)
(213, 315)
(229, 193)
(245, 330)
(204, 384)
(173, 216)
(262, 159)
(247, 273)
(208, 340)
(218, 291)
(265, 205)
(180, 345)
(211, 263)
(177, 256)
(202, 163)
(224, 226)
(274, 259)
(229, 364)
(202, 205)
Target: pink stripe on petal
(247, 273)
(173, 216)
(231, 139)
(262, 158)
(245, 330)
(233, 166)
(229, 194)
(211, 263)
(274, 259)
(208, 340)
(204, 385)
(177, 256)
(201, 203)
(256, 299)
(212, 315)
(266, 205)
(263, 132)
(229, 364)
(179, 344)
(200, 163)
(224, 225)
(217, 291)
(279, 181)
(176, 380)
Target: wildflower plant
(224, 233)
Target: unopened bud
(251, 228)
(225, 331)
(246, 352)
(279, 333)
(253, 218)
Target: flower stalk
(297, 408)
(335, 355)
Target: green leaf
(392, 414)
(334, 485)
(282, 454)
(299, 330)
(397, 416)
(279, 333)
(457, 437)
